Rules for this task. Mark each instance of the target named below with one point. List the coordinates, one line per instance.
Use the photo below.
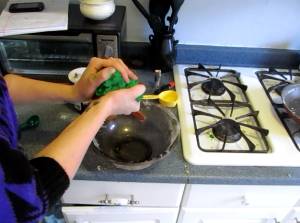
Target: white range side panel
(293, 216)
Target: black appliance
(162, 41)
(50, 55)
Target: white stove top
(282, 152)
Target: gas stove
(233, 116)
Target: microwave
(51, 55)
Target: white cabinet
(116, 202)
(231, 215)
(237, 203)
(240, 196)
(120, 214)
(98, 201)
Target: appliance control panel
(107, 46)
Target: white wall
(242, 23)
(246, 23)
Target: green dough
(115, 82)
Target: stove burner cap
(227, 129)
(213, 86)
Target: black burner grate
(273, 81)
(224, 125)
(230, 128)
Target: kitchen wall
(241, 23)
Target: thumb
(137, 90)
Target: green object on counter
(115, 82)
(32, 122)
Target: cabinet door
(104, 214)
(231, 215)
(240, 196)
(145, 194)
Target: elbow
(10, 80)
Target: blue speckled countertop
(172, 169)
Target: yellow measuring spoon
(167, 98)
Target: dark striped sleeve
(22, 197)
(51, 176)
(28, 188)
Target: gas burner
(280, 74)
(227, 130)
(273, 81)
(218, 129)
(213, 86)
(214, 83)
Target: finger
(95, 65)
(117, 63)
(133, 76)
(123, 70)
(130, 73)
(103, 75)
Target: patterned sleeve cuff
(51, 176)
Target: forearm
(24, 90)
(69, 148)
